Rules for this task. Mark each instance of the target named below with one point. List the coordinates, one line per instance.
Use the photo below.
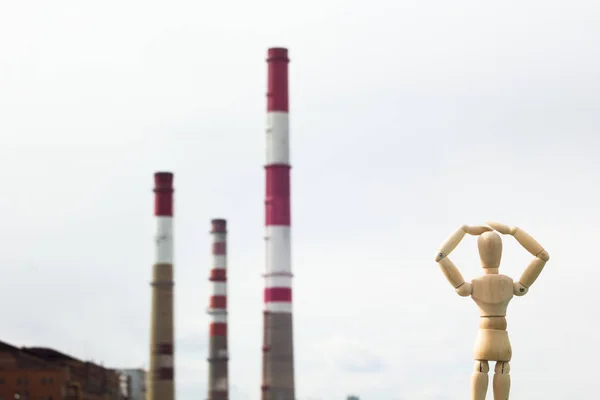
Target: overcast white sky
(408, 119)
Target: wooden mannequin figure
(492, 292)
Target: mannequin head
(490, 251)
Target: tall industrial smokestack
(160, 378)
(278, 347)
(218, 374)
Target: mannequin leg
(480, 380)
(501, 380)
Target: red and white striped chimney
(161, 376)
(278, 348)
(218, 386)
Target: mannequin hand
(477, 229)
(503, 229)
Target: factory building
(34, 373)
(133, 383)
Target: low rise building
(136, 383)
(36, 373)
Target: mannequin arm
(448, 268)
(534, 269)
(453, 240)
(455, 277)
(536, 266)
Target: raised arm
(536, 266)
(448, 268)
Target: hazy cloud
(408, 119)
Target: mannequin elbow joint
(464, 290)
(543, 255)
